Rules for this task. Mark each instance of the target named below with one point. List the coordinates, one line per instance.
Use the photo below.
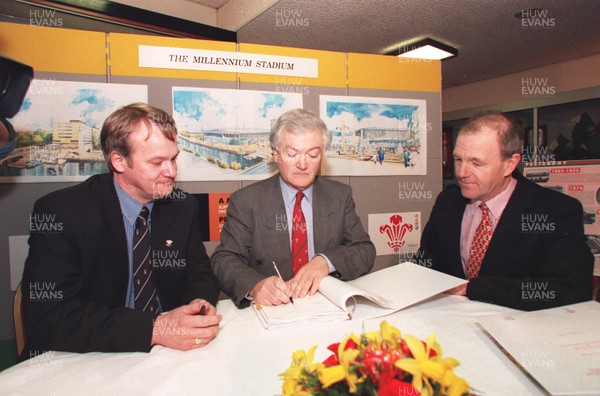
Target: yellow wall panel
(389, 72)
(124, 56)
(332, 66)
(54, 50)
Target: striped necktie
(144, 288)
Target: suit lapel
(508, 229)
(323, 209)
(275, 223)
(163, 226)
(453, 241)
(111, 231)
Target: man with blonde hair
(103, 261)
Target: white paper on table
(558, 347)
(376, 294)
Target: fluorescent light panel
(427, 49)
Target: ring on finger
(198, 341)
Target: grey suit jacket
(256, 234)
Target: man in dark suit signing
(117, 263)
(303, 223)
(519, 245)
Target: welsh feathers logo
(395, 231)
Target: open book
(376, 294)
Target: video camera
(15, 78)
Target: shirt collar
(289, 193)
(497, 204)
(129, 206)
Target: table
(245, 358)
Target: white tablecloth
(245, 358)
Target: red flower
(395, 387)
(378, 364)
(333, 359)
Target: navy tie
(144, 288)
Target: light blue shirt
(289, 200)
(130, 208)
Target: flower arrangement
(379, 363)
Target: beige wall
(577, 79)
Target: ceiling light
(426, 49)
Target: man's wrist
(330, 266)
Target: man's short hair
(510, 134)
(119, 125)
(298, 121)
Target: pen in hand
(280, 277)
(202, 310)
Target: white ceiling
(492, 41)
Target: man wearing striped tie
(104, 256)
(283, 235)
(519, 244)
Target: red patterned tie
(299, 238)
(481, 240)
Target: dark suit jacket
(76, 275)
(256, 233)
(537, 257)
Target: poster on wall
(58, 129)
(375, 136)
(579, 179)
(212, 214)
(224, 133)
(396, 233)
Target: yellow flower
(387, 333)
(423, 368)
(345, 370)
(390, 334)
(347, 358)
(330, 375)
(300, 360)
(458, 386)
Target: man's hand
(309, 277)
(183, 329)
(271, 291)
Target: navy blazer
(76, 275)
(537, 257)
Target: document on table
(376, 294)
(558, 347)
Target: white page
(307, 310)
(559, 347)
(385, 291)
(404, 285)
